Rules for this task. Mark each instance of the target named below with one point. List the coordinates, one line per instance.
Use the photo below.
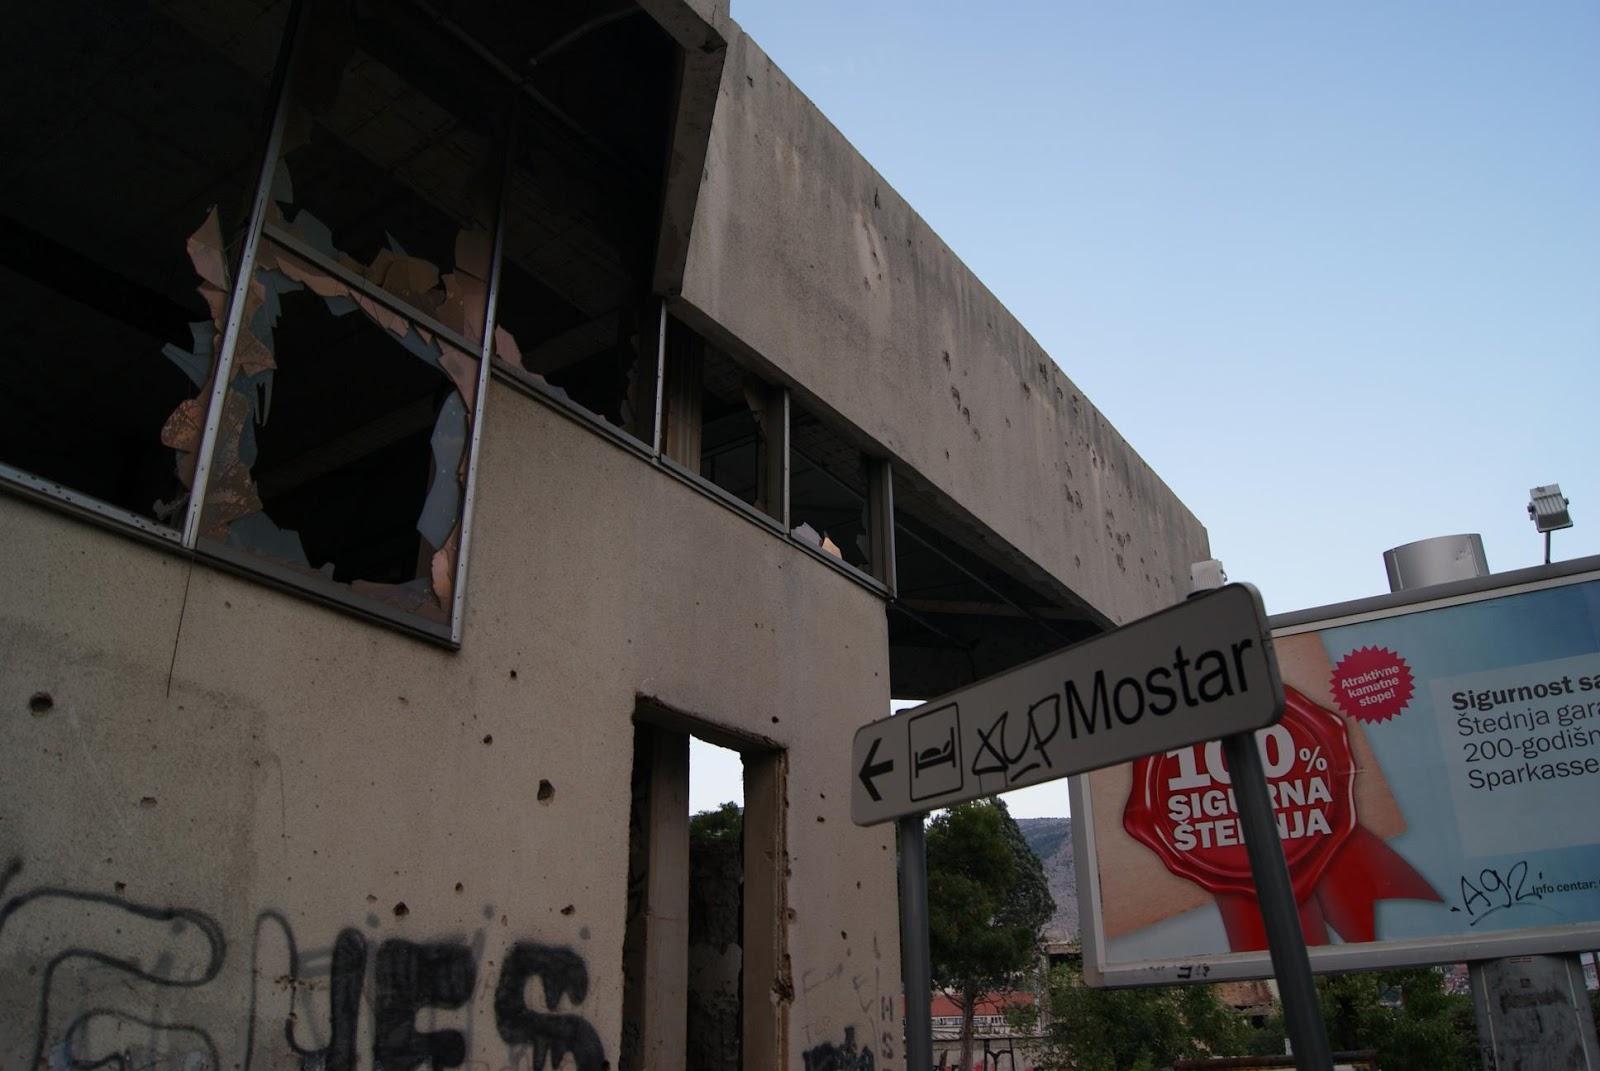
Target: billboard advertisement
(1435, 780)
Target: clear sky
(1332, 269)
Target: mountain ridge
(1051, 840)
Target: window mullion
(485, 356)
(222, 373)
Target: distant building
(416, 421)
(996, 1046)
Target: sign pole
(916, 970)
(1302, 1013)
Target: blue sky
(1333, 270)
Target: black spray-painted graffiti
(842, 1057)
(1018, 749)
(64, 928)
(561, 971)
(56, 918)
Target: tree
(723, 826)
(987, 903)
(1406, 1015)
(1131, 1029)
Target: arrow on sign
(869, 770)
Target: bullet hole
(460, 887)
(774, 719)
(546, 790)
(120, 886)
(792, 915)
(821, 819)
(489, 738)
(147, 801)
(568, 909)
(503, 920)
(843, 936)
(513, 674)
(404, 700)
(401, 910)
(39, 703)
(371, 899)
(858, 885)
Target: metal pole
(916, 974)
(1302, 1013)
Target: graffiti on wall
(878, 1010)
(841, 1057)
(113, 983)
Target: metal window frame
(491, 308)
(880, 515)
(244, 271)
(188, 540)
(654, 453)
(258, 229)
(99, 511)
(292, 243)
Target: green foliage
(987, 899)
(1430, 1030)
(723, 827)
(987, 902)
(1132, 1029)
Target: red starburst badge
(1372, 684)
(1182, 808)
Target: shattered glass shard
(443, 504)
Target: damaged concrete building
(417, 420)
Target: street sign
(1197, 671)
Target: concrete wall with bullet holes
(241, 829)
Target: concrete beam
(806, 261)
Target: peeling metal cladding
(832, 279)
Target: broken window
(343, 445)
(577, 317)
(134, 134)
(828, 491)
(723, 423)
(390, 161)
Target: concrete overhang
(804, 261)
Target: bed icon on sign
(935, 739)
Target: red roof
(988, 1004)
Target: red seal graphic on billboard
(1372, 684)
(1182, 808)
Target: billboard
(1435, 779)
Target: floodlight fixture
(1549, 513)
